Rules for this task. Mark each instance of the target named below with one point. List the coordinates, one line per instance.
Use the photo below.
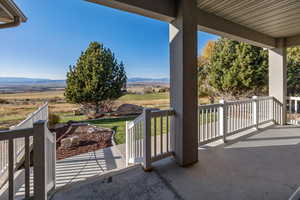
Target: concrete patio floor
(261, 165)
(74, 169)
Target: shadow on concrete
(262, 165)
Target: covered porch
(252, 165)
(262, 165)
(271, 25)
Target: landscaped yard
(117, 124)
(19, 105)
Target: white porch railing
(15, 145)
(148, 137)
(19, 143)
(216, 121)
(293, 110)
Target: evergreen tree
(204, 88)
(96, 79)
(293, 71)
(238, 69)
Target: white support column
(183, 73)
(278, 75)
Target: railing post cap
(39, 123)
(222, 101)
(254, 97)
(147, 110)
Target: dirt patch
(88, 141)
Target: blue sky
(57, 31)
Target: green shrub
(53, 119)
(148, 90)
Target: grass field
(19, 105)
(117, 124)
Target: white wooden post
(11, 169)
(147, 139)
(127, 141)
(255, 112)
(54, 161)
(290, 106)
(271, 110)
(223, 119)
(39, 163)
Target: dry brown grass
(33, 95)
(22, 104)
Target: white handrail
(19, 141)
(215, 121)
(43, 162)
(148, 137)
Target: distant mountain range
(148, 80)
(6, 81)
(21, 80)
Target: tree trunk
(97, 110)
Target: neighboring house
(10, 14)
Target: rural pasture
(15, 107)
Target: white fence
(216, 121)
(19, 143)
(16, 145)
(148, 137)
(293, 110)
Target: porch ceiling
(9, 11)
(276, 18)
(259, 22)
(4, 15)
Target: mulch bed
(87, 141)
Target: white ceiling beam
(217, 25)
(164, 10)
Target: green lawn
(117, 124)
(65, 117)
(153, 96)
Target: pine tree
(204, 88)
(238, 69)
(96, 79)
(293, 71)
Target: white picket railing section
(216, 121)
(148, 137)
(293, 110)
(40, 114)
(134, 141)
(16, 144)
(19, 143)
